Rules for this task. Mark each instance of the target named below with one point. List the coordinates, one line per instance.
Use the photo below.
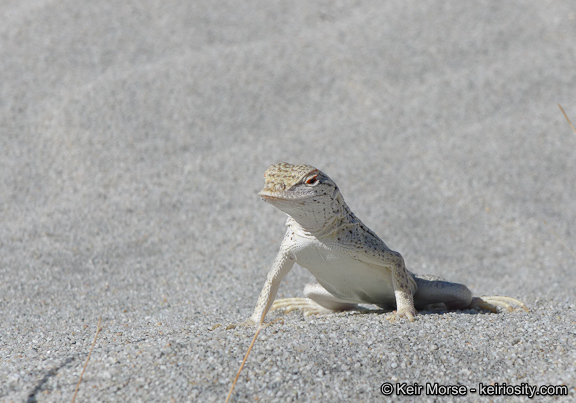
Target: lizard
(351, 264)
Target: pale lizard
(350, 262)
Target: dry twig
(566, 116)
(261, 326)
(87, 359)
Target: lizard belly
(344, 277)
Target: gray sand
(134, 136)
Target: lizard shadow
(438, 309)
(433, 310)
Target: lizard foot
(491, 303)
(305, 305)
(247, 323)
(408, 313)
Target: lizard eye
(312, 180)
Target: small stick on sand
(566, 116)
(261, 326)
(87, 359)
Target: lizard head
(303, 192)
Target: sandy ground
(134, 137)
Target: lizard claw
(250, 323)
(247, 323)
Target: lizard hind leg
(317, 301)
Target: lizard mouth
(275, 198)
(269, 196)
(265, 195)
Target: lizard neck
(321, 219)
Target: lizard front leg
(402, 291)
(281, 266)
